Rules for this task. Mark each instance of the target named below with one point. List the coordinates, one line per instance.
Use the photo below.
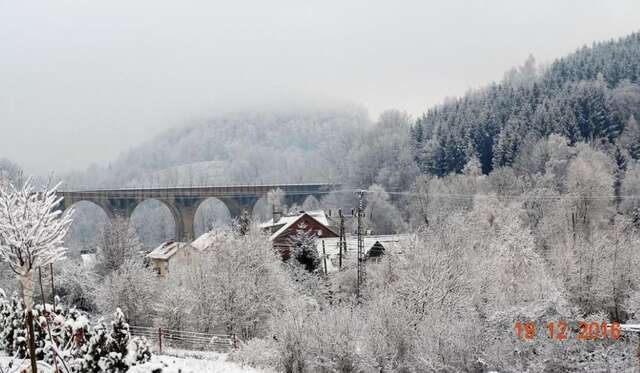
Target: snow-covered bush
(13, 327)
(75, 284)
(65, 337)
(138, 351)
(117, 345)
(257, 352)
(174, 305)
(113, 349)
(131, 288)
(235, 283)
(95, 349)
(291, 328)
(10, 321)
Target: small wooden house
(284, 228)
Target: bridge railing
(302, 187)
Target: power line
(463, 196)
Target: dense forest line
(591, 96)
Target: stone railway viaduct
(183, 202)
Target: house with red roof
(282, 229)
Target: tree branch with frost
(32, 230)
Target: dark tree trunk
(32, 341)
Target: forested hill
(591, 95)
(298, 144)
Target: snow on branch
(32, 229)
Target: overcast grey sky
(82, 81)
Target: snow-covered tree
(116, 244)
(630, 138)
(32, 232)
(235, 283)
(381, 215)
(303, 248)
(275, 200)
(10, 173)
(590, 179)
(75, 284)
(131, 289)
(629, 192)
(117, 345)
(95, 349)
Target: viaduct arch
(183, 202)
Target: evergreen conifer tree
(96, 349)
(630, 138)
(303, 248)
(117, 345)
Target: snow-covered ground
(194, 362)
(180, 361)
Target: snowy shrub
(138, 351)
(112, 349)
(175, 305)
(234, 284)
(337, 341)
(257, 353)
(132, 289)
(75, 285)
(117, 345)
(10, 316)
(13, 334)
(291, 330)
(96, 349)
(389, 337)
(65, 337)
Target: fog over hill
(297, 144)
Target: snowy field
(179, 361)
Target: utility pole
(324, 259)
(342, 244)
(362, 275)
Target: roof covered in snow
(205, 240)
(166, 250)
(319, 215)
(391, 244)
